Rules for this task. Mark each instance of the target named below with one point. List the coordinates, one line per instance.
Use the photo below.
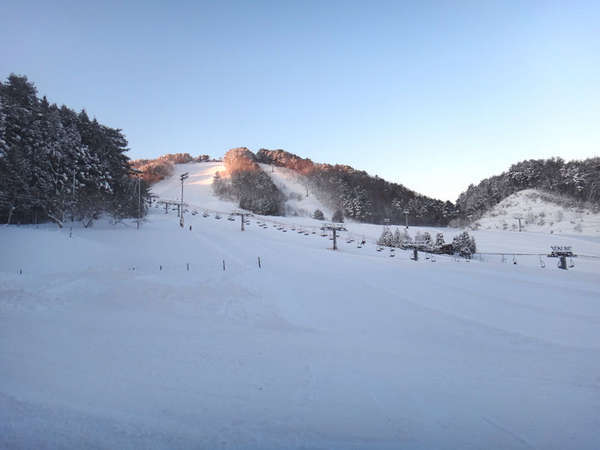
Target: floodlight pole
(73, 198)
(139, 202)
(182, 177)
(138, 174)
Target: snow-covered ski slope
(541, 212)
(198, 189)
(301, 200)
(109, 340)
(198, 195)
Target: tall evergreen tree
(54, 161)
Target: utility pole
(406, 212)
(138, 174)
(334, 228)
(73, 198)
(139, 201)
(182, 177)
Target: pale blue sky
(435, 95)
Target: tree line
(464, 244)
(578, 180)
(57, 164)
(360, 196)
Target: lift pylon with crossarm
(334, 228)
(241, 214)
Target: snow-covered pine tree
(386, 239)
(426, 238)
(54, 160)
(464, 244)
(397, 240)
(439, 240)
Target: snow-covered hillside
(541, 212)
(300, 198)
(198, 191)
(108, 339)
(198, 187)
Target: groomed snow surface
(107, 340)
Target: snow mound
(541, 212)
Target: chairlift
(542, 263)
(217, 216)
(231, 218)
(571, 263)
(205, 214)
(514, 259)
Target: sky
(433, 95)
